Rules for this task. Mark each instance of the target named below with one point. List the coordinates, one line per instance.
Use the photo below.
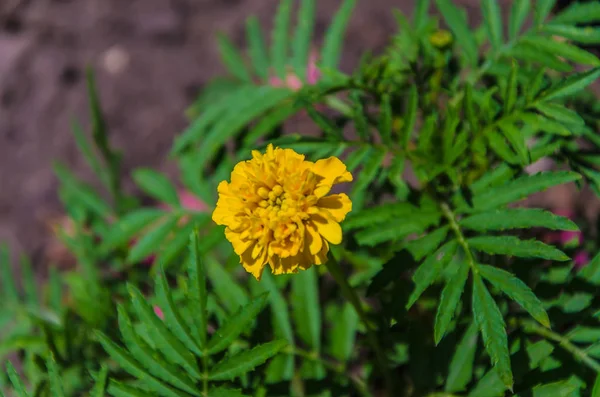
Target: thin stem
(565, 343)
(350, 294)
(336, 367)
(460, 237)
(205, 372)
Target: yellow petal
(314, 241)
(338, 205)
(255, 266)
(332, 170)
(327, 228)
(239, 246)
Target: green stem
(351, 295)
(460, 237)
(565, 343)
(338, 368)
(205, 372)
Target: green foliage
(467, 294)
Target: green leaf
(423, 246)
(490, 385)
(303, 36)
(564, 388)
(542, 10)
(560, 113)
(279, 308)
(517, 141)
(232, 367)
(334, 36)
(460, 372)
(225, 392)
(306, 308)
(367, 175)
(410, 116)
(279, 40)
(513, 246)
(152, 240)
(570, 85)
(88, 153)
(596, 389)
(269, 122)
(154, 363)
(518, 15)
(127, 227)
(562, 49)
(517, 218)
(28, 280)
(584, 35)
(126, 362)
(118, 389)
(257, 48)
(232, 59)
(584, 334)
(458, 24)
(531, 54)
(179, 241)
(491, 324)
(101, 382)
(236, 324)
(510, 96)
(173, 317)
(520, 188)
(156, 185)
(16, 380)
(493, 21)
(171, 347)
(84, 194)
(449, 300)
(391, 230)
(55, 382)
(197, 287)
(421, 14)
(539, 123)
(230, 293)
(579, 13)
(517, 290)
(386, 119)
(343, 333)
(429, 271)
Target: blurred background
(151, 58)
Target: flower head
(277, 210)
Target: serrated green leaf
(460, 372)
(232, 367)
(520, 188)
(423, 246)
(152, 240)
(368, 174)
(334, 36)
(225, 392)
(179, 241)
(56, 388)
(230, 293)
(232, 59)
(542, 9)
(303, 36)
(560, 113)
(197, 288)
(513, 246)
(539, 123)
(343, 333)
(578, 13)
(491, 324)
(279, 39)
(429, 271)
(584, 334)
(173, 317)
(518, 15)
(582, 35)
(101, 382)
(410, 116)
(490, 385)
(517, 290)
(517, 141)
(562, 49)
(156, 185)
(558, 389)
(257, 47)
(570, 85)
(16, 380)
(236, 324)
(134, 368)
(127, 227)
(493, 21)
(457, 22)
(498, 144)
(171, 347)
(529, 53)
(273, 119)
(154, 363)
(118, 389)
(306, 309)
(391, 230)
(517, 218)
(84, 194)
(449, 300)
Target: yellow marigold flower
(440, 38)
(277, 210)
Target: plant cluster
(443, 284)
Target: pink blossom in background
(570, 238)
(158, 311)
(293, 82)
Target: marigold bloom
(277, 210)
